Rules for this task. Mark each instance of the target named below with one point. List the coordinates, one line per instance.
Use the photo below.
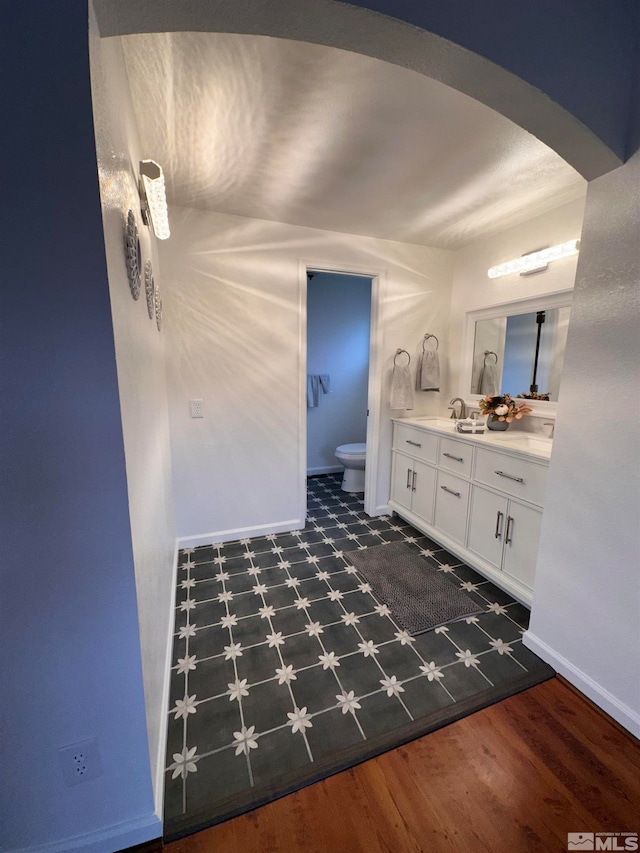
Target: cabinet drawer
(511, 475)
(452, 499)
(408, 439)
(455, 456)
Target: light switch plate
(196, 407)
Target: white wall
(234, 325)
(586, 598)
(338, 324)
(142, 387)
(472, 288)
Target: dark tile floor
(283, 656)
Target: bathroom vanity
(480, 496)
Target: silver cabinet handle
(415, 443)
(408, 478)
(499, 518)
(509, 477)
(451, 492)
(508, 537)
(457, 458)
(413, 481)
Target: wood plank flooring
(515, 777)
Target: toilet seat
(352, 450)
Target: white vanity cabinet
(474, 495)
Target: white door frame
(378, 288)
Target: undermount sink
(439, 423)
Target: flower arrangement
(503, 408)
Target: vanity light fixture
(535, 261)
(153, 198)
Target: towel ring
(489, 352)
(426, 338)
(398, 352)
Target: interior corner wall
(234, 319)
(140, 358)
(586, 597)
(71, 666)
(472, 288)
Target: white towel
(428, 374)
(401, 390)
(489, 380)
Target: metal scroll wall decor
(133, 258)
(150, 289)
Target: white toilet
(352, 456)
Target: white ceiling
(312, 135)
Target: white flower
(352, 536)
(229, 621)
(329, 660)
(471, 620)
(277, 550)
(350, 570)
(292, 582)
(339, 554)
(275, 639)
(313, 560)
(225, 596)
(382, 610)
(410, 539)
(470, 587)
(187, 631)
(218, 561)
(185, 706)
(244, 541)
(313, 629)
(184, 762)
(271, 537)
(285, 564)
(245, 740)
(426, 552)
(249, 555)
(300, 603)
(222, 576)
(497, 608)
(445, 567)
(342, 525)
(254, 570)
(266, 612)
(237, 689)
(365, 587)
(286, 674)
(468, 658)
(441, 630)
(323, 576)
(394, 527)
(259, 589)
(233, 651)
(189, 662)
(501, 647)
(187, 605)
(188, 583)
(350, 618)
(348, 702)
(404, 637)
(432, 671)
(335, 595)
(392, 685)
(299, 720)
(368, 648)
(326, 541)
(188, 565)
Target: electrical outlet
(80, 762)
(196, 407)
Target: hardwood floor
(515, 777)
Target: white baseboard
(599, 695)
(383, 509)
(158, 770)
(104, 840)
(325, 469)
(195, 540)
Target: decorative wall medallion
(132, 254)
(150, 289)
(158, 301)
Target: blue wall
(338, 321)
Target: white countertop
(525, 443)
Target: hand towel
(313, 390)
(428, 374)
(401, 390)
(489, 380)
(325, 383)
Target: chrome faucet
(552, 424)
(463, 408)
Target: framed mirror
(517, 348)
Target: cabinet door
(423, 486)
(521, 536)
(487, 525)
(451, 505)
(401, 480)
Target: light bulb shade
(154, 198)
(536, 260)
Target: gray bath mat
(419, 597)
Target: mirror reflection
(521, 354)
